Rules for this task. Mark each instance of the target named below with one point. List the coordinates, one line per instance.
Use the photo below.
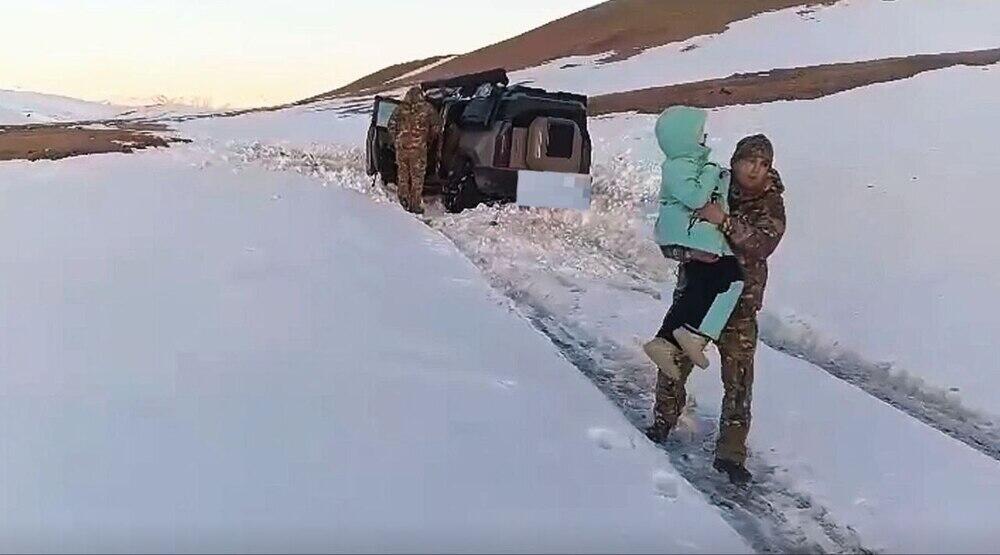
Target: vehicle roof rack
(573, 97)
(470, 81)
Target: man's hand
(712, 213)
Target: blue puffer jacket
(689, 182)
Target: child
(713, 276)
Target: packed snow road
(838, 469)
(199, 357)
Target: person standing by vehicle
(414, 126)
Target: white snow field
(313, 125)
(26, 108)
(198, 357)
(21, 107)
(848, 31)
(889, 251)
(867, 263)
(244, 344)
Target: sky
(239, 53)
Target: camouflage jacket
(414, 125)
(754, 228)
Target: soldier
(754, 227)
(414, 126)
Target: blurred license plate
(553, 190)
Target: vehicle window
(385, 111)
(561, 137)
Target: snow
(848, 31)
(904, 487)
(217, 347)
(22, 107)
(423, 69)
(339, 121)
(901, 485)
(882, 221)
(867, 263)
(202, 355)
(164, 110)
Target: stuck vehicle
(500, 143)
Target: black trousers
(698, 284)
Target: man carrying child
(710, 287)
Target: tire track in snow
(932, 406)
(769, 515)
(772, 517)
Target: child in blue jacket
(714, 278)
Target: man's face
(752, 174)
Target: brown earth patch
(375, 80)
(622, 27)
(59, 141)
(804, 83)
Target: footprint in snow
(610, 439)
(667, 483)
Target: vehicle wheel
(387, 169)
(462, 194)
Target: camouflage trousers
(737, 346)
(411, 167)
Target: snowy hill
(21, 107)
(864, 267)
(277, 371)
(872, 377)
(202, 357)
(847, 31)
(615, 29)
(628, 47)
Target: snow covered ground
(888, 253)
(867, 263)
(21, 107)
(848, 31)
(872, 209)
(312, 125)
(217, 346)
(200, 357)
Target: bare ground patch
(803, 83)
(62, 141)
(622, 28)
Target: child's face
(752, 173)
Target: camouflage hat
(753, 146)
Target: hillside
(618, 28)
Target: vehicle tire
(462, 194)
(387, 167)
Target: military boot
(658, 432)
(738, 474)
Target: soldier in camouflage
(754, 227)
(414, 126)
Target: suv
(500, 143)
